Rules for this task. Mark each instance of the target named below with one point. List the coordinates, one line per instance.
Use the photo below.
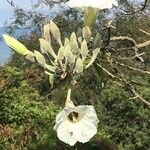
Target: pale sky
(6, 14)
(6, 11)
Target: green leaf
(50, 68)
(73, 37)
(61, 55)
(14, 44)
(79, 35)
(51, 77)
(97, 40)
(61, 58)
(90, 15)
(30, 56)
(95, 53)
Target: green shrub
(26, 122)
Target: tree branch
(133, 68)
(11, 3)
(134, 12)
(110, 74)
(135, 47)
(129, 85)
(144, 32)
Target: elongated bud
(68, 102)
(90, 15)
(14, 44)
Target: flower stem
(69, 94)
(68, 102)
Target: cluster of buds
(72, 56)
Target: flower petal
(64, 114)
(101, 4)
(91, 115)
(88, 112)
(82, 130)
(86, 130)
(66, 133)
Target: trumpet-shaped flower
(100, 4)
(76, 123)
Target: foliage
(127, 121)
(25, 120)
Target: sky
(6, 15)
(6, 11)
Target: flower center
(73, 116)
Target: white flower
(100, 4)
(76, 124)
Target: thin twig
(143, 44)
(136, 94)
(129, 85)
(135, 47)
(133, 68)
(11, 3)
(110, 74)
(139, 10)
(123, 38)
(129, 58)
(144, 32)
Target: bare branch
(129, 58)
(135, 47)
(133, 68)
(123, 38)
(144, 32)
(139, 10)
(136, 94)
(144, 5)
(129, 85)
(11, 3)
(110, 74)
(143, 44)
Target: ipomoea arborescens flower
(91, 8)
(76, 123)
(100, 4)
